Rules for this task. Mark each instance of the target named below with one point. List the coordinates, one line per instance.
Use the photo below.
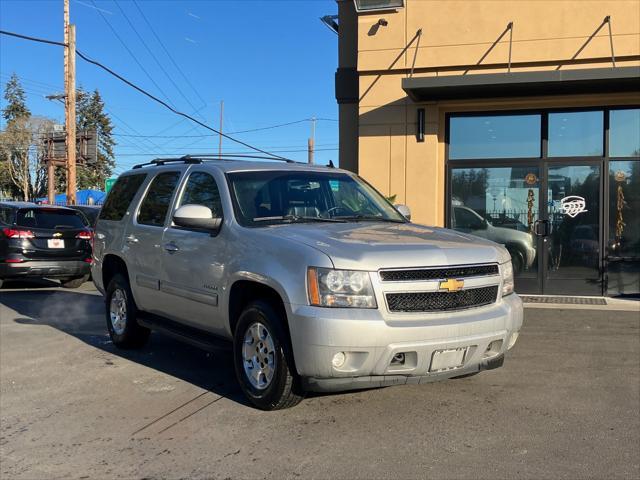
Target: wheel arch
(243, 291)
(112, 265)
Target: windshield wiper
(299, 219)
(370, 218)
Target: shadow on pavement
(30, 283)
(82, 315)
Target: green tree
(16, 100)
(92, 116)
(15, 142)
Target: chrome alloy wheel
(118, 311)
(258, 356)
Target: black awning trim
(523, 84)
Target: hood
(371, 246)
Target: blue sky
(272, 62)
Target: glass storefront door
(572, 234)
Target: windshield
(271, 197)
(49, 218)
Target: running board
(191, 335)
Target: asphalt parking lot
(565, 405)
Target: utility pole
(70, 103)
(312, 141)
(221, 117)
(51, 182)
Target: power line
(135, 59)
(154, 57)
(224, 153)
(144, 92)
(232, 133)
(186, 79)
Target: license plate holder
(447, 359)
(55, 243)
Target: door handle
(541, 228)
(171, 247)
(131, 239)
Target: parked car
(90, 212)
(308, 273)
(520, 244)
(38, 241)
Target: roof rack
(199, 158)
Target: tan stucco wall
(455, 36)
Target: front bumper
(371, 341)
(40, 269)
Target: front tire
(263, 359)
(124, 330)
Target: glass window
(120, 197)
(499, 204)
(498, 136)
(6, 215)
(49, 218)
(624, 133)
(202, 189)
(576, 134)
(154, 206)
(624, 205)
(268, 197)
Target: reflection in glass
(574, 210)
(624, 133)
(574, 134)
(624, 228)
(498, 136)
(499, 204)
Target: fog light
(339, 359)
(398, 359)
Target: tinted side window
(120, 197)
(6, 215)
(202, 189)
(154, 206)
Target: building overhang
(523, 84)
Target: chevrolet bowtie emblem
(57, 234)
(451, 285)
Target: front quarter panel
(273, 260)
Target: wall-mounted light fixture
(420, 125)
(376, 5)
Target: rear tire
(74, 282)
(121, 315)
(263, 359)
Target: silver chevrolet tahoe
(313, 278)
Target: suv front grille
(438, 273)
(441, 301)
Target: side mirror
(198, 217)
(404, 210)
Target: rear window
(49, 218)
(120, 197)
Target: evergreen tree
(15, 142)
(91, 116)
(16, 101)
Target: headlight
(507, 278)
(340, 288)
